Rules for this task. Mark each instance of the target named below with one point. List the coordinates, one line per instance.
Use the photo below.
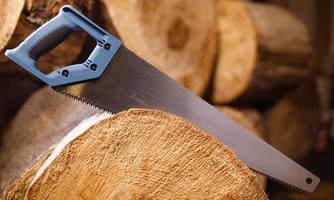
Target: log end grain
(41, 122)
(145, 154)
(11, 12)
(237, 51)
(264, 52)
(178, 37)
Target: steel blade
(130, 82)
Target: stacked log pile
(250, 60)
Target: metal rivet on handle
(107, 46)
(309, 180)
(65, 73)
(93, 67)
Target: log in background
(274, 57)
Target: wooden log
(263, 52)
(17, 190)
(176, 36)
(13, 95)
(11, 11)
(18, 21)
(142, 154)
(30, 135)
(42, 121)
(293, 122)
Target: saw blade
(130, 82)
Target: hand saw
(114, 79)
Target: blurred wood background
(274, 57)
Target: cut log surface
(293, 122)
(18, 21)
(42, 121)
(18, 189)
(176, 36)
(11, 12)
(144, 154)
(263, 51)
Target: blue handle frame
(70, 18)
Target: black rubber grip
(49, 42)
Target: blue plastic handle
(51, 34)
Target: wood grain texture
(11, 12)
(146, 154)
(237, 51)
(18, 189)
(264, 51)
(42, 121)
(176, 36)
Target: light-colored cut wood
(263, 51)
(18, 189)
(42, 121)
(145, 154)
(176, 36)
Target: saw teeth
(282, 183)
(83, 100)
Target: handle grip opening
(53, 33)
